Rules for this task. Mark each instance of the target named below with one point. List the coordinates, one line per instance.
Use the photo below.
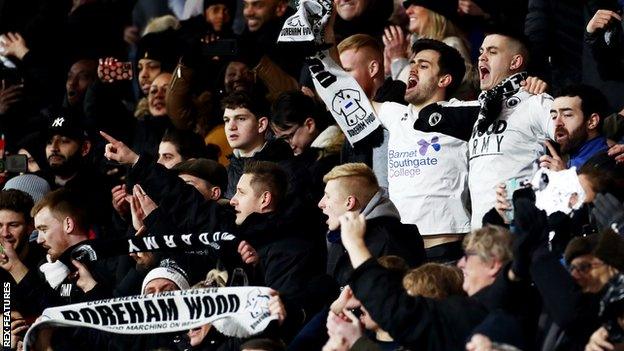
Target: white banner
(245, 308)
(344, 97)
(307, 23)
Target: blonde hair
(161, 24)
(359, 169)
(434, 280)
(356, 178)
(359, 41)
(439, 27)
(490, 242)
(214, 278)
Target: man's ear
(373, 68)
(309, 124)
(215, 193)
(85, 148)
(445, 81)
(593, 121)
(494, 267)
(517, 61)
(266, 201)
(68, 225)
(263, 124)
(351, 202)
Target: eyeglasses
(288, 137)
(468, 253)
(583, 267)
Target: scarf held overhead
(307, 23)
(344, 98)
(173, 311)
(202, 244)
(342, 95)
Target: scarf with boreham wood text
(492, 100)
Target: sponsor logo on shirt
(410, 163)
(424, 145)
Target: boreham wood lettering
(122, 313)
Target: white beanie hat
(168, 270)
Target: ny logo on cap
(58, 122)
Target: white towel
(55, 272)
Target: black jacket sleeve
(563, 299)
(415, 322)
(609, 56)
(184, 204)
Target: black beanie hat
(161, 47)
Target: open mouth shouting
(484, 73)
(412, 82)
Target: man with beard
(67, 151)
(427, 176)
(578, 113)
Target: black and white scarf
(211, 244)
(492, 100)
(234, 311)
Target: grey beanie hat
(31, 184)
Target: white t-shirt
(509, 149)
(427, 173)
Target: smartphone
(511, 186)
(116, 71)
(14, 164)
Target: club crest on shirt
(435, 118)
(512, 102)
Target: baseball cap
(67, 124)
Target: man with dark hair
(280, 229)
(578, 113)
(16, 224)
(156, 53)
(261, 189)
(207, 176)
(289, 257)
(246, 125)
(298, 120)
(512, 123)
(180, 145)
(423, 150)
(68, 154)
